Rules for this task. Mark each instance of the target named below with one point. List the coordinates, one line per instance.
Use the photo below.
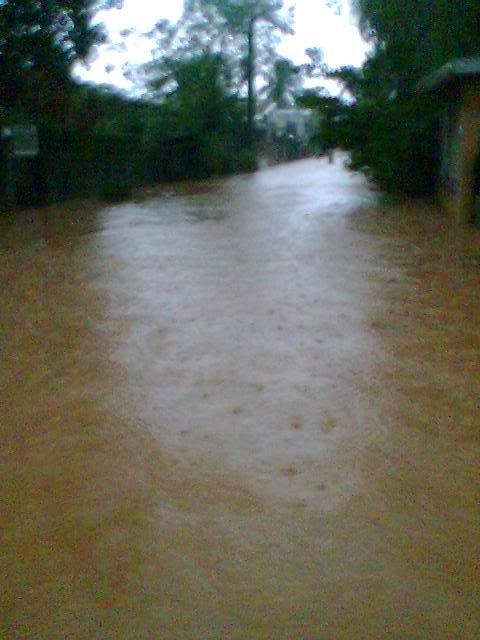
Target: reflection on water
(232, 395)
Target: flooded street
(240, 409)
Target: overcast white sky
(316, 25)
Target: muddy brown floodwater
(241, 409)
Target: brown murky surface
(243, 409)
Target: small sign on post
(23, 140)
(20, 143)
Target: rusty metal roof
(453, 71)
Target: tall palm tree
(283, 84)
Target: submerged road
(240, 409)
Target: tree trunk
(251, 79)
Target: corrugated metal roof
(452, 71)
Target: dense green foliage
(392, 131)
(246, 18)
(39, 42)
(242, 34)
(104, 145)
(200, 108)
(413, 37)
(283, 84)
(196, 119)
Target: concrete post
(469, 124)
(10, 196)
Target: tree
(391, 130)
(242, 18)
(199, 109)
(199, 99)
(283, 84)
(414, 37)
(39, 42)
(244, 32)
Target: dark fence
(71, 164)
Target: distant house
(457, 84)
(292, 121)
(286, 131)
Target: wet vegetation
(391, 130)
(196, 117)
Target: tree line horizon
(199, 118)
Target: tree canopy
(243, 33)
(413, 37)
(283, 84)
(391, 130)
(39, 42)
